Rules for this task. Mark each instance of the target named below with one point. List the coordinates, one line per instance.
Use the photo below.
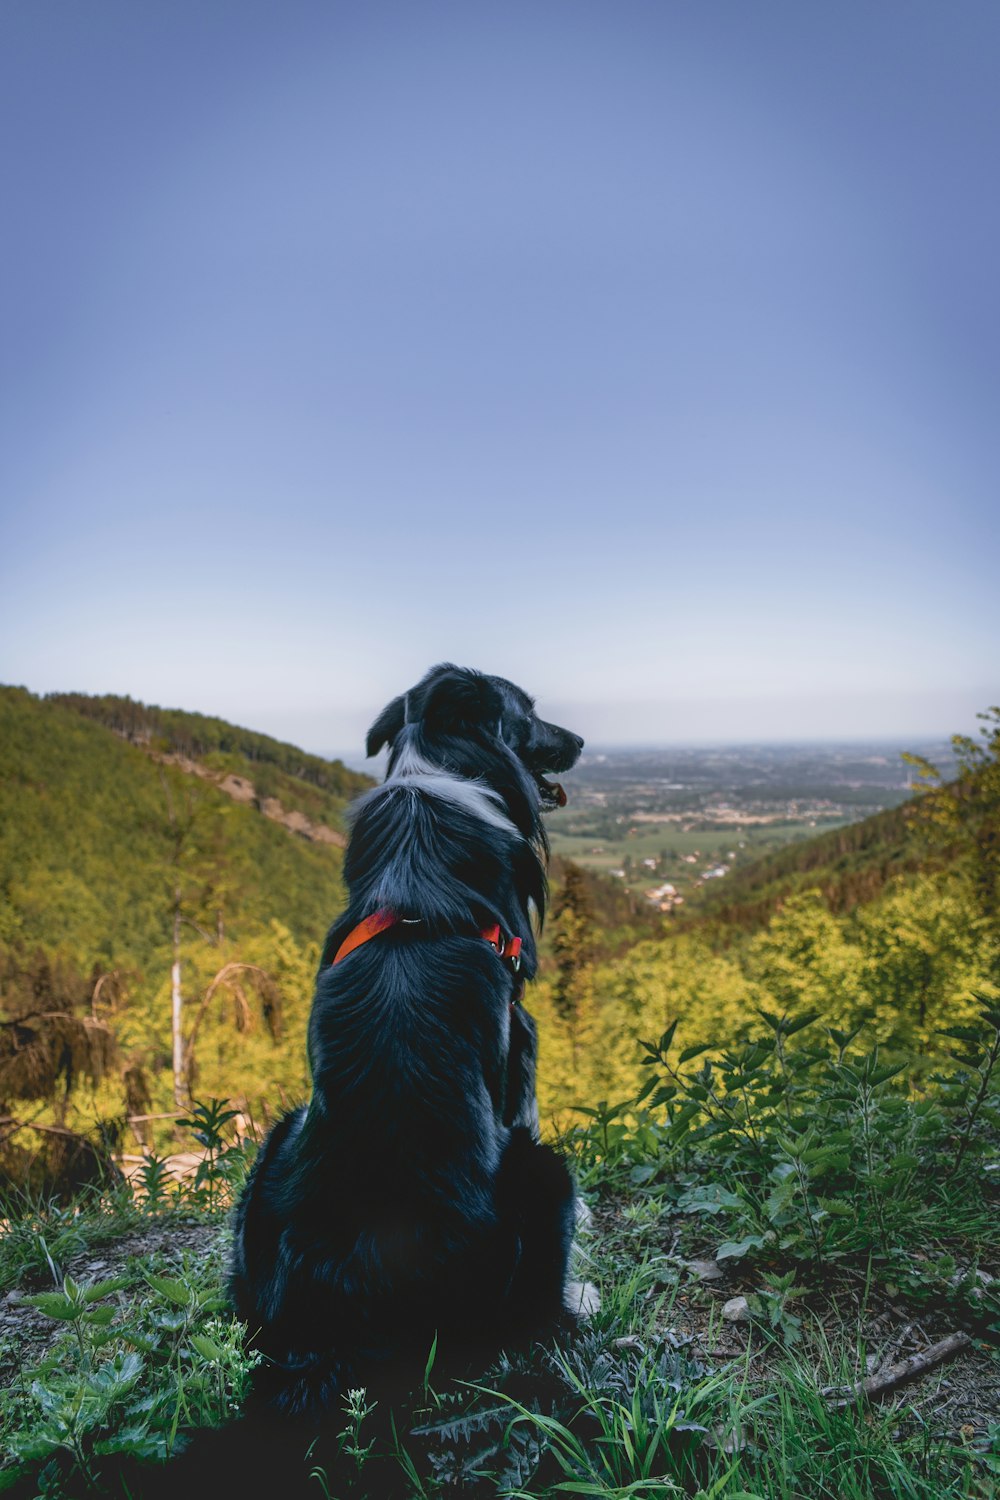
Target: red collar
(508, 948)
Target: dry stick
(60, 1130)
(906, 1369)
(892, 1346)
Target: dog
(410, 1206)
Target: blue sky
(645, 353)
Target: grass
(799, 1175)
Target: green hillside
(88, 857)
(121, 855)
(849, 865)
(303, 782)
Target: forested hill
(200, 737)
(850, 866)
(107, 807)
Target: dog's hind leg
(536, 1202)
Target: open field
(681, 851)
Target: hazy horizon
(694, 723)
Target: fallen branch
(62, 1131)
(906, 1369)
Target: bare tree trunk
(177, 1009)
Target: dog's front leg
(521, 1104)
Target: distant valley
(667, 823)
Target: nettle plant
(128, 1373)
(224, 1164)
(807, 1148)
(218, 1175)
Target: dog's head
(475, 725)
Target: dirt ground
(858, 1335)
(959, 1398)
(26, 1333)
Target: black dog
(411, 1199)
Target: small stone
(706, 1270)
(736, 1310)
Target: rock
(736, 1310)
(706, 1270)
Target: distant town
(666, 822)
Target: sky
(647, 354)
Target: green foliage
(132, 1373)
(572, 941)
(38, 1240)
(224, 1164)
(804, 960)
(100, 845)
(623, 1410)
(87, 847)
(966, 1093)
(349, 1448)
(814, 1449)
(907, 965)
(813, 1152)
(923, 956)
(626, 1425)
(202, 738)
(961, 820)
(84, 1402)
(850, 866)
(154, 1178)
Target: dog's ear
(460, 700)
(386, 727)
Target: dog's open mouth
(552, 793)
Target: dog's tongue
(554, 789)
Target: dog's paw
(584, 1216)
(582, 1299)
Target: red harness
(508, 948)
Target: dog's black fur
(411, 1199)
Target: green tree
(805, 961)
(572, 940)
(962, 817)
(922, 960)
